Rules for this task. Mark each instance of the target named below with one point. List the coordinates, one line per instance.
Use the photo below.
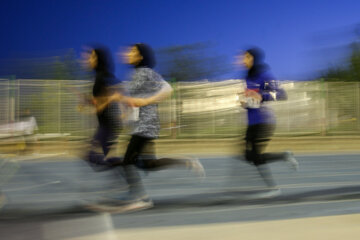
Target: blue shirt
(270, 90)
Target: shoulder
(141, 73)
(267, 76)
(143, 70)
(151, 74)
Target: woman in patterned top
(146, 89)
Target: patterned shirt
(145, 83)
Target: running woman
(146, 89)
(260, 88)
(103, 144)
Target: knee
(254, 158)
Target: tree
(349, 70)
(191, 62)
(62, 66)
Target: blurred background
(200, 108)
(312, 48)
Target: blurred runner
(261, 87)
(103, 144)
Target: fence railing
(196, 110)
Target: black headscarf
(105, 62)
(104, 70)
(148, 55)
(259, 66)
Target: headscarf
(147, 54)
(258, 66)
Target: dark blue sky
(297, 36)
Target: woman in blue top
(260, 88)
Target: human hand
(253, 94)
(243, 104)
(116, 97)
(136, 102)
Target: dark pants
(105, 138)
(131, 160)
(102, 143)
(257, 138)
(141, 152)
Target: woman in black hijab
(108, 112)
(261, 87)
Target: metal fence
(54, 104)
(196, 110)
(312, 108)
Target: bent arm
(163, 93)
(272, 91)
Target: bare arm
(164, 92)
(101, 103)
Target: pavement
(46, 200)
(199, 146)
(329, 228)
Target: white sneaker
(268, 194)
(116, 207)
(136, 206)
(197, 167)
(291, 159)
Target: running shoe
(271, 193)
(115, 206)
(289, 157)
(196, 166)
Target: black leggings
(136, 148)
(105, 138)
(257, 138)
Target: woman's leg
(148, 161)
(132, 177)
(96, 153)
(256, 142)
(267, 131)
